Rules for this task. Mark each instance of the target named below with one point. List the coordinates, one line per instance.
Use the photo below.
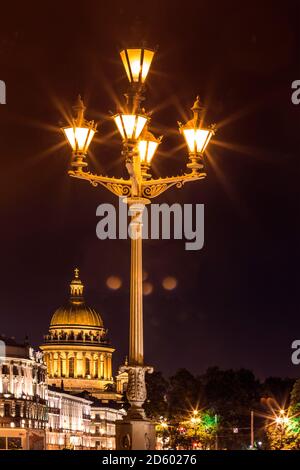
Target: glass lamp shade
(147, 147)
(130, 126)
(79, 137)
(137, 62)
(197, 139)
(196, 135)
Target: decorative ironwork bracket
(154, 187)
(149, 188)
(119, 186)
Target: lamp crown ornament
(79, 108)
(197, 108)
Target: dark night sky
(237, 300)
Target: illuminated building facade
(64, 397)
(104, 415)
(76, 349)
(23, 395)
(69, 419)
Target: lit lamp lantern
(79, 135)
(137, 62)
(147, 147)
(130, 126)
(197, 137)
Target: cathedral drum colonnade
(76, 349)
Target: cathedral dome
(76, 349)
(76, 314)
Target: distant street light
(282, 421)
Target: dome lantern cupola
(76, 287)
(76, 315)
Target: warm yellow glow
(79, 137)
(147, 288)
(140, 126)
(137, 63)
(196, 134)
(148, 57)
(147, 150)
(118, 122)
(114, 282)
(197, 139)
(282, 418)
(147, 146)
(130, 126)
(169, 283)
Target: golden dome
(76, 314)
(80, 316)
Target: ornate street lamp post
(138, 148)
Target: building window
(18, 410)
(71, 367)
(15, 370)
(87, 366)
(6, 409)
(14, 443)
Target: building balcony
(26, 398)
(53, 410)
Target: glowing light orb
(114, 282)
(169, 283)
(147, 288)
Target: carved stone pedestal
(135, 434)
(135, 431)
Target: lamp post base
(135, 431)
(135, 434)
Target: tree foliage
(229, 395)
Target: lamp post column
(136, 389)
(135, 431)
(136, 339)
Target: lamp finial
(197, 106)
(79, 108)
